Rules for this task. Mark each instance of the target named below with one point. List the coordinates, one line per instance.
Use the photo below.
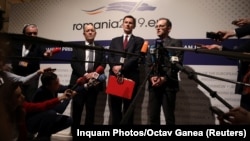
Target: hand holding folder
(120, 86)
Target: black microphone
(175, 61)
(152, 51)
(159, 47)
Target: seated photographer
(53, 119)
(236, 116)
(18, 109)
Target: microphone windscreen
(56, 50)
(102, 78)
(144, 47)
(99, 69)
(81, 80)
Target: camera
(214, 36)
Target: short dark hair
(47, 77)
(26, 26)
(168, 22)
(130, 16)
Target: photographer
(163, 79)
(243, 65)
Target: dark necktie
(125, 42)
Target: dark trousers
(119, 106)
(47, 123)
(87, 98)
(161, 97)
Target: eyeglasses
(160, 26)
(31, 33)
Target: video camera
(214, 36)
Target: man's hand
(116, 69)
(47, 53)
(226, 34)
(238, 116)
(42, 70)
(241, 22)
(157, 81)
(90, 75)
(211, 47)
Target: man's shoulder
(116, 38)
(138, 37)
(175, 40)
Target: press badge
(23, 63)
(122, 60)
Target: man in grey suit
(129, 68)
(163, 78)
(88, 96)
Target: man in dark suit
(24, 67)
(163, 78)
(243, 65)
(128, 68)
(87, 69)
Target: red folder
(124, 89)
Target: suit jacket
(33, 65)
(163, 65)
(78, 68)
(243, 31)
(130, 66)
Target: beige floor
(60, 137)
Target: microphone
(79, 81)
(152, 51)
(99, 70)
(159, 47)
(174, 59)
(94, 82)
(144, 48)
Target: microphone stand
(222, 79)
(230, 54)
(192, 76)
(132, 105)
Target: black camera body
(214, 36)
